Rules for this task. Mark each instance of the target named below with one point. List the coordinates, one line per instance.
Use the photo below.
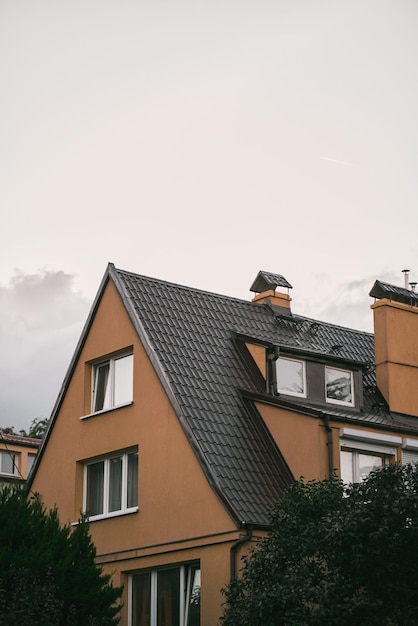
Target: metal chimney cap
(266, 280)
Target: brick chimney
(264, 286)
(395, 312)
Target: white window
(9, 462)
(356, 465)
(291, 376)
(111, 485)
(339, 386)
(166, 596)
(112, 383)
(364, 451)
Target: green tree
(36, 430)
(335, 555)
(48, 574)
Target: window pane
(290, 376)
(338, 385)
(95, 478)
(115, 483)
(168, 598)
(346, 469)
(8, 463)
(132, 487)
(141, 600)
(102, 387)
(31, 460)
(367, 463)
(193, 610)
(123, 379)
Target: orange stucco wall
(302, 441)
(259, 355)
(176, 502)
(396, 351)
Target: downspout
(234, 549)
(330, 445)
(272, 355)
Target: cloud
(349, 303)
(41, 318)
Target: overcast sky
(198, 141)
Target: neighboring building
(17, 455)
(184, 413)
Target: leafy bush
(335, 555)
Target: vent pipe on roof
(412, 285)
(406, 275)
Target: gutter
(235, 546)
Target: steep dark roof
(194, 337)
(196, 343)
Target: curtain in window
(192, 604)
(168, 597)
(115, 483)
(95, 486)
(141, 600)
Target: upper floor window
(111, 485)
(9, 462)
(291, 376)
(112, 382)
(339, 386)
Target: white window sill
(97, 518)
(339, 402)
(112, 408)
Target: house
(17, 455)
(184, 413)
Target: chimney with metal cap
(265, 285)
(395, 313)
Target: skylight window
(291, 377)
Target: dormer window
(339, 386)
(291, 377)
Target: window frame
(111, 383)
(386, 457)
(106, 459)
(288, 392)
(15, 460)
(186, 588)
(351, 402)
(30, 461)
(359, 442)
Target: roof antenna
(406, 274)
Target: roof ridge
(236, 299)
(185, 287)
